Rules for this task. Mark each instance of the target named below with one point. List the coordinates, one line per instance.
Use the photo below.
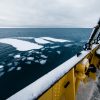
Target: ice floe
(23, 59)
(21, 45)
(43, 56)
(30, 58)
(68, 45)
(9, 64)
(28, 62)
(41, 41)
(36, 61)
(37, 52)
(31, 51)
(1, 66)
(2, 73)
(17, 56)
(44, 40)
(53, 47)
(83, 41)
(18, 68)
(42, 62)
(59, 52)
(24, 37)
(10, 54)
(10, 69)
(55, 40)
(1, 69)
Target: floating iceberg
(43, 56)
(30, 58)
(68, 45)
(18, 68)
(53, 47)
(21, 45)
(59, 52)
(42, 62)
(17, 56)
(1, 66)
(55, 40)
(41, 41)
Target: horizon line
(46, 27)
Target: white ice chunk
(21, 45)
(43, 49)
(41, 41)
(43, 56)
(55, 40)
(30, 58)
(10, 69)
(37, 61)
(32, 51)
(1, 66)
(2, 73)
(68, 45)
(24, 37)
(1, 69)
(83, 41)
(53, 47)
(37, 52)
(10, 54)
(59, 52)
(28, 62)
(24, 58)
(18, 68)
(17, 56)
(9, 64)
(42, 62)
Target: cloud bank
(49, 13)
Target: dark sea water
(20, 68)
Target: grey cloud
(49, 13)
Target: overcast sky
(49, 13)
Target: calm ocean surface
(20, 68)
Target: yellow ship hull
(66, 88)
